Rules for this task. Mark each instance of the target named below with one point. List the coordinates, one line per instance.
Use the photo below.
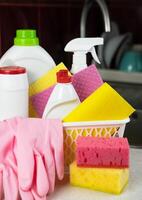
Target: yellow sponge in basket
(111, 180)
(103, 104)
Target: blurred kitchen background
(59, 21)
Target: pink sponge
(102, 152)
(39, 100)
(86, 81)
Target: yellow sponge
(109, 180)
(103, 104)
(46, 81)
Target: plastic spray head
(80, 47)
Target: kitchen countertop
(64, 191)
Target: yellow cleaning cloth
(104, 104)
(32, 112)
(46, 80)
(101, 179)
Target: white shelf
(119, 76)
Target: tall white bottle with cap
(27, 52)
(63, 99)
(13, 92)
(80, 47)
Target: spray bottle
(80, 47)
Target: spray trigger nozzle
(94, 55)
(80, 47)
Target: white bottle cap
(80, 47)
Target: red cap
(63, 77)
(12, 70)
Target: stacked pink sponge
(101, 164)
(102, 152)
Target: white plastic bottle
(80, 47)
(27, 53)
(13, 92)
(63, 99)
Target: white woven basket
(97, 129)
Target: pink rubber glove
(8, 169)
(10, 185)
(6, 141)
(8, 179)
(41, 139)
(1, 186)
